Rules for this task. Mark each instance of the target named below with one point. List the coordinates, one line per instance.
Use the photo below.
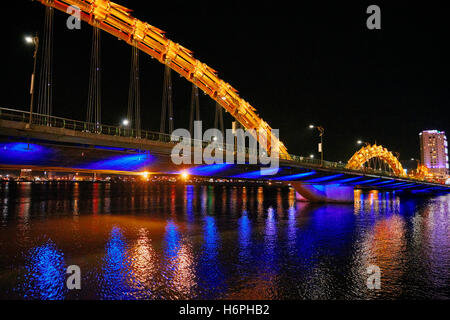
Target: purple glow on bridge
(295, 176)
(264, 172)
(123, 162)
(208, 170)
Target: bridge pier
(329, 193)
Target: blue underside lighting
(20, 153)
(398, 184)
(366, 181)
(264, 172)
(413, 185)
(295, 176)
(407, 184)
(384, 182)
(209, 170)
(318, 187)
(128, 162)
(348, 180)
(325, 178)
(24, 153)
(426, 190)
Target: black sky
(296, 62)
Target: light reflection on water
(138, 241)
(44, 276)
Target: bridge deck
(65, 144)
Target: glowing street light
(311, 156)
(145, 175)
(184, 175)
(360, 142)
(125, 122)
(416, 160)
(35, 41)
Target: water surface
(144, 241)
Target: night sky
(297, 65)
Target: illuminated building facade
(434, 152)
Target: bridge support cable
(93, 117)
(45, 88)
(134, 96)
(195, 109)
(167, 102)
(218, 119)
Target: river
(155, 241)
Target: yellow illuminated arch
(368, 152)
(117, 20)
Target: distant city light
(359, 142)
(184, 175)
(311, 126)
(311, 156)
(125, 122)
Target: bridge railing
(87, 127)
(81, 126)
(317, 163)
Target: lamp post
(321, 133)
(124, 124)
(35, 41)
(416, 160)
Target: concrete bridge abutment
(323, 193)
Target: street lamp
(123, 124)
(359, 142)
(35, 41)
(184, 174)
(417, 160)
(321, 133)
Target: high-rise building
(434, 152)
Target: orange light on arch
(117, 21)
(368, 152)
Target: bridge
(66, 145)
(37, 140)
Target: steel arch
(117, 20)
